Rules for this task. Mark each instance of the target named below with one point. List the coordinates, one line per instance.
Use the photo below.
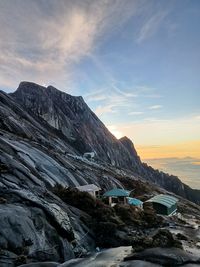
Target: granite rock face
(33, 158)
(76, 121)
(166, 257)
(86, 133)
(43, 135)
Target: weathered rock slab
(165, 256)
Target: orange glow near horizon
(180, 150)
(153, 138)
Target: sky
(135, 62)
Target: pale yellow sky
(179, 150)
(163, 138)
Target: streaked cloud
(95, 96)
(116, 96)
(155, 107)
(100, 110)
(196, 162)
(136, 113)
(160, 132)
(43, 40)
(112, 104)
(151, 26)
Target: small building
(164, 204)
(92, 189)
(116, 196)
(135, 202)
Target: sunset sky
(135, 62)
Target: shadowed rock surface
(85, 132)
(43, 134)
(156, 257)
(165, 257)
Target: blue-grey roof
(165, 200)
(134, 201)
(117, 192)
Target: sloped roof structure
(117, 192)
(134, 201)
(165, 200)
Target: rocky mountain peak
(129, 146)
(76, 121)
(26, 86)
(44, 95)
(37, 163)
(84, 132)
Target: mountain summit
(83, 131)
(76, 121)
(44, 134)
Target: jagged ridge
(85, 132)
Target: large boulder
(165, 256)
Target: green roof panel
(117, 192)
(134, 201)
(165, 200)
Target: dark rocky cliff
(34, 157)
(76, 121)
(36, 154)
(85, 133)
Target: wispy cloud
(43, 40)
(113, 103)
(109, 108)
(165, 132)
(115, 96)
(136, 113)
(197, 117)
(96, 96)
(123, 93)
(155, 107)
(151, 26)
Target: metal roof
(134, 201)
(165, 200)
(117, 192)
(88, 188)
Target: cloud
(151, 26)
(96, 96)
(155, 107)
(123, 93)
(196, 162)
(100, 110)
(117, 96)
(165, 133)
(111, 98)
(112, 103)
(38, 45)
(43, 40)
(185, 168)
(197, 117)
(136, 113)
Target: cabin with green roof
(164, 204)
(117, 195)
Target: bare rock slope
(43, 134)
(85, 132)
